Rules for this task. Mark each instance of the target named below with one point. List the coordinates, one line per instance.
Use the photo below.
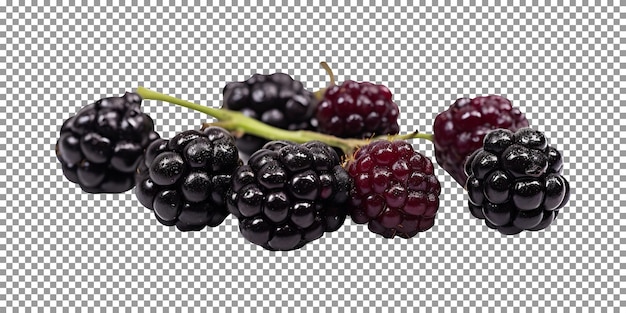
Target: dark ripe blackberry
(185, 179)
(357, 110)
(101, 146)
(289, 194)
(460, 130)
(514, 182)
(395, 190)
(274, 99)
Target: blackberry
(357, 110)
(289, 194)
(514, 181)
(101, 146)
(276, 99)
(185, 179)
(460, 129)
(395, 190)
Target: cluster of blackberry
(288, 194)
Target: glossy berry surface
(395, 190)
(289, 194)
(515, 183)
(276, 99)
(184, 180)
(460, 129)
(357, 110)
(102, 145)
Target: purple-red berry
(357, 110)
(460, 130)
(395, 190)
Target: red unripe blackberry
(460, 130)
(356, 109)
(395, 190)
(101, 146)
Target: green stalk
(237, 122)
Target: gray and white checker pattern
(563, 64)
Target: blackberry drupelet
(460, 129)
(395, 190)
(185, 179)
(101, 146)
(289, 194)
(515, 183)
(276, 99)
(357, 110)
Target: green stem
(153, 95)
(237, 122)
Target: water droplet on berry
(530, 138)
(167, 168)
(196, 186)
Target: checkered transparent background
(562, 64)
